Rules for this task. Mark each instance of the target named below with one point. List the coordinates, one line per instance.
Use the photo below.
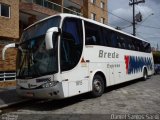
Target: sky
(120, 14)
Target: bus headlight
(50, 84)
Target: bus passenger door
(111, 74)
(115, 73)
(73, 71)
(118, 73)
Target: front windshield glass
(33, 60)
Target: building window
(93, 1)
(102, 20)
(4, 10)
(93, 16)
(102, 5)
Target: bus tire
(145, 74)
(97, 86)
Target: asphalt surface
(132, 100)
(8, 97)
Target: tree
(156, 57)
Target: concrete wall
(9, 32)
(9, 27)
(89, 8)
(9, 63)
(95, 8)
(78, 2)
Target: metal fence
(6, 76)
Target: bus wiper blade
(23, 60)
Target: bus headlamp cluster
(50, 84)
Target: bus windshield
(33, 59)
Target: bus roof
(63, 15)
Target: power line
(147, 18)
(127, 32)
(149, 26)
(150, 36)
(126, 26)
(148, 33)
(126, 20)
(113, 14)
(118, 16)
(141, 36)
(111, 24)
(132, 23)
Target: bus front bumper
(55, 92)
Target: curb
(13, 103)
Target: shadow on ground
(49, 105)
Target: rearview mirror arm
(12, 45)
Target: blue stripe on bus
(134, 64)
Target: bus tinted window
(71, 43)
(146, 47)
(106, 37)
(121, 41)
(93, 34)
(40, 28)
(114, 40)
(98, 35)
(128, 43)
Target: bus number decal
(78, 83)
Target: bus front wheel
(97, 86)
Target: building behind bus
(17, 15)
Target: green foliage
(156, 57)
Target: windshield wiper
(22, 63)
(28, 61)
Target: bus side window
(93, 34)
(122, 41)
(132, 45)
(91, 40)
(147, 47)
(119, 45)
(114, 39)
(137, 46)
(128, 43)
(106, 37)
(141, 46)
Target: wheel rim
(97, 86)
(145, 75)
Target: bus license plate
(29, 94)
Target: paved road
(136, 97)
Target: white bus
(66, 55)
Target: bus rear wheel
(97, 86)
(145, 74)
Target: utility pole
(132, 3)
(62, 6)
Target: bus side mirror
(49, 37)
(12, 45)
